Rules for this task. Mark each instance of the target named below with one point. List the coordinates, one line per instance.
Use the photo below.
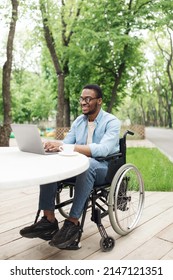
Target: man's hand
(52, 146)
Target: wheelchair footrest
(74, 246)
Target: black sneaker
(42, 229)
(66, 235)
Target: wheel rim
(107, 244)
(125, 207)
(63, 196)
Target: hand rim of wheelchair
(61, 210)
(113, 199)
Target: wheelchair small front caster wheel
(107, 244)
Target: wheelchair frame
(122, 199)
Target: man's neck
(92, 117)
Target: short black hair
(96, 88)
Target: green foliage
(156, 169)
(105, 43)
(32, 98)
(106, 35)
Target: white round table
(20, 169)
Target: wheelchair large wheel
(64, 199)
(126, 199)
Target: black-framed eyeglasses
(87, 99)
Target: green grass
(156, 169)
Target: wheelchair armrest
(109, 157)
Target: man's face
(89, 102)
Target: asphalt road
(162, 138)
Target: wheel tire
(107, 244)
(126, 199)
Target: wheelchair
(121, 199)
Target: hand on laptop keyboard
(52, 146)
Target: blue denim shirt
(105, 139)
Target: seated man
(95, 133)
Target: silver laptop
(28, 139)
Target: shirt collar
(99, 116)
(97, 119)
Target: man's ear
(100, 101)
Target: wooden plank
(17, 246)
(166, 233)
(155, 227)
(138, 237)
(153, 249)
(168, 256)
(10, 194)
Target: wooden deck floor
(152, 239)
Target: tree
(168, 58)
(151, 91)
(5, 129)
(108, 48)
(58, 53)
(83, 42)
(30, 101)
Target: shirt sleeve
(70, 138)
(109, 143)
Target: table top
(20, 169)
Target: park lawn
(156, 168)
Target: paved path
(162, 138)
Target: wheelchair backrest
(119, 159)
(122, 143)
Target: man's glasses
(87, 99)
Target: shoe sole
(66, 244)
(44, 236)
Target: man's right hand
(52, 146)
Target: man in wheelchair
(95, 134)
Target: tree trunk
(60, 105)
(5, 129)
(60, 75)
(67, 113)
(61, 67)
(169, 116)
(115, 86)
